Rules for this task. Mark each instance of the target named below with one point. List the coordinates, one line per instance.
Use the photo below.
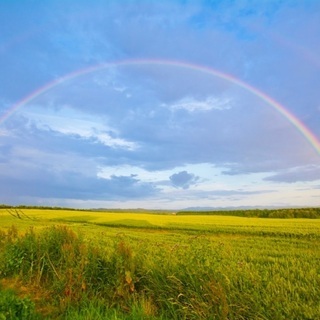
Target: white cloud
(112, 142)
(72, 122)
(191, 104)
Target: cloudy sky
(160, 104)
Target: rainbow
(299, 125)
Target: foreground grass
(162, 267)
(13, 307)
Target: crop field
(67, 264)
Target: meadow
(68, 264)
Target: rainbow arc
(297, 123)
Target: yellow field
(220, 224)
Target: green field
(67, 264)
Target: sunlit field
(66, 264)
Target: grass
(94, 265)
(15, 308)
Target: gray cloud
(308, 173)
(183, 179)
(70, 185)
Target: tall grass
(196, 278)
(74, 271)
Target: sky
(160, 104)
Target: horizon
(196, 209)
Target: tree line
(289, 213)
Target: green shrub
(15, 308)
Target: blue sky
(149, 128)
